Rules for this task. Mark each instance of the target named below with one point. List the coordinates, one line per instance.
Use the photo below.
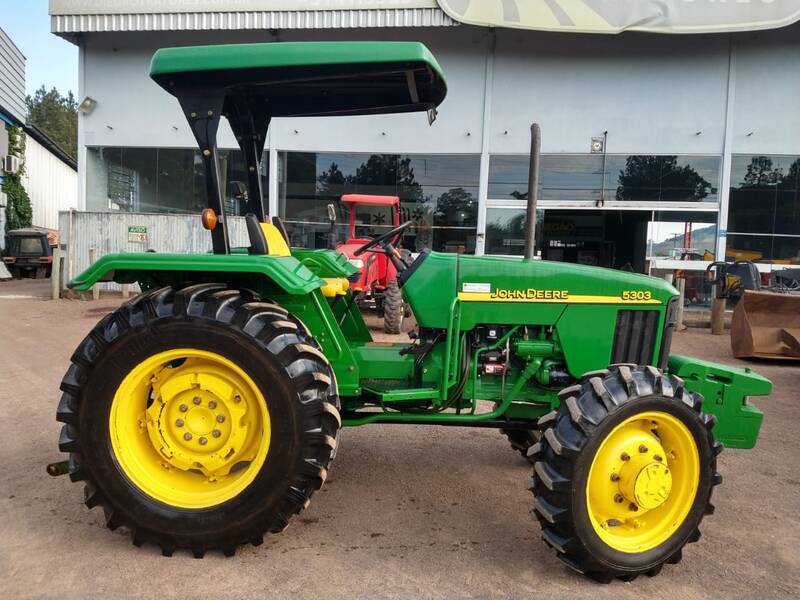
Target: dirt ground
(407, 512)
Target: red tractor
(377, 285)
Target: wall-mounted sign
(137, 234)
(614, 16)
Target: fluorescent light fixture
(87, 105)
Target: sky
(50, 60)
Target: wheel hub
(644, 481)
(190, 421)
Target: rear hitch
(58, 468)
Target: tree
(660, 178)
(760, 173)
(57, 116)
(18, 208)
(456, 207)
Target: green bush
(18, 208)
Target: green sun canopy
(308, 78)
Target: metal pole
(717, 313)
(533, 192)
(96, 286)
(681, 301)
(55, 274)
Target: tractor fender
(150, 269)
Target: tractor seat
(269, 239)
(265, 238)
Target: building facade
(641, 133)
(12, 108)
(51, 178)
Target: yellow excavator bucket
(766, 325)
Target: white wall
(651, 93)
(51, 184)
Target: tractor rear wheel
(624, 472)
(394, 310)
(199, 418)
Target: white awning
(615, 16)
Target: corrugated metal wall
(12, 79)
(51, 184)
(108, 233)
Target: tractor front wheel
(624, 472)
(394, 310)
(522, 440)
(199, 418)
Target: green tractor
(205, 412)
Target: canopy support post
(250, 130)
(203, 112)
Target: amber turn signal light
(209, 219)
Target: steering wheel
(386, 241)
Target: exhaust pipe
(533, 192)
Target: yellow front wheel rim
(189, 428)
(643, 481)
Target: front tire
(522, 440)
(199, 418)
(393, 308)
(624, 473)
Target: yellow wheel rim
(189, 428)
(643, 481)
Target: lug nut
(203, 441)
(633, 507)
(237, 398)
(220, 418)
(212, 405)
(196, 400)
(179, 422)
(625, 456)
(618, 498)
(657, 457)
(187, 436)
(614, 477)
(216, 433)
(183, 408)
(642, 448)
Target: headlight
(357, 263)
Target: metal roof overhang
(68, 25)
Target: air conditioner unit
(11, 164)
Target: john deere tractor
(205, 412)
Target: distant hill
(702, 239)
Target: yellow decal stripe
(571, 299)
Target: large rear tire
(199, 418)
(624, 472)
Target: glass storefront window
(561, 177)
(682, 235)
(505, 230)
(662, 178)
(582, 177)
(162, 180)
(764, 210)
(438, 192)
